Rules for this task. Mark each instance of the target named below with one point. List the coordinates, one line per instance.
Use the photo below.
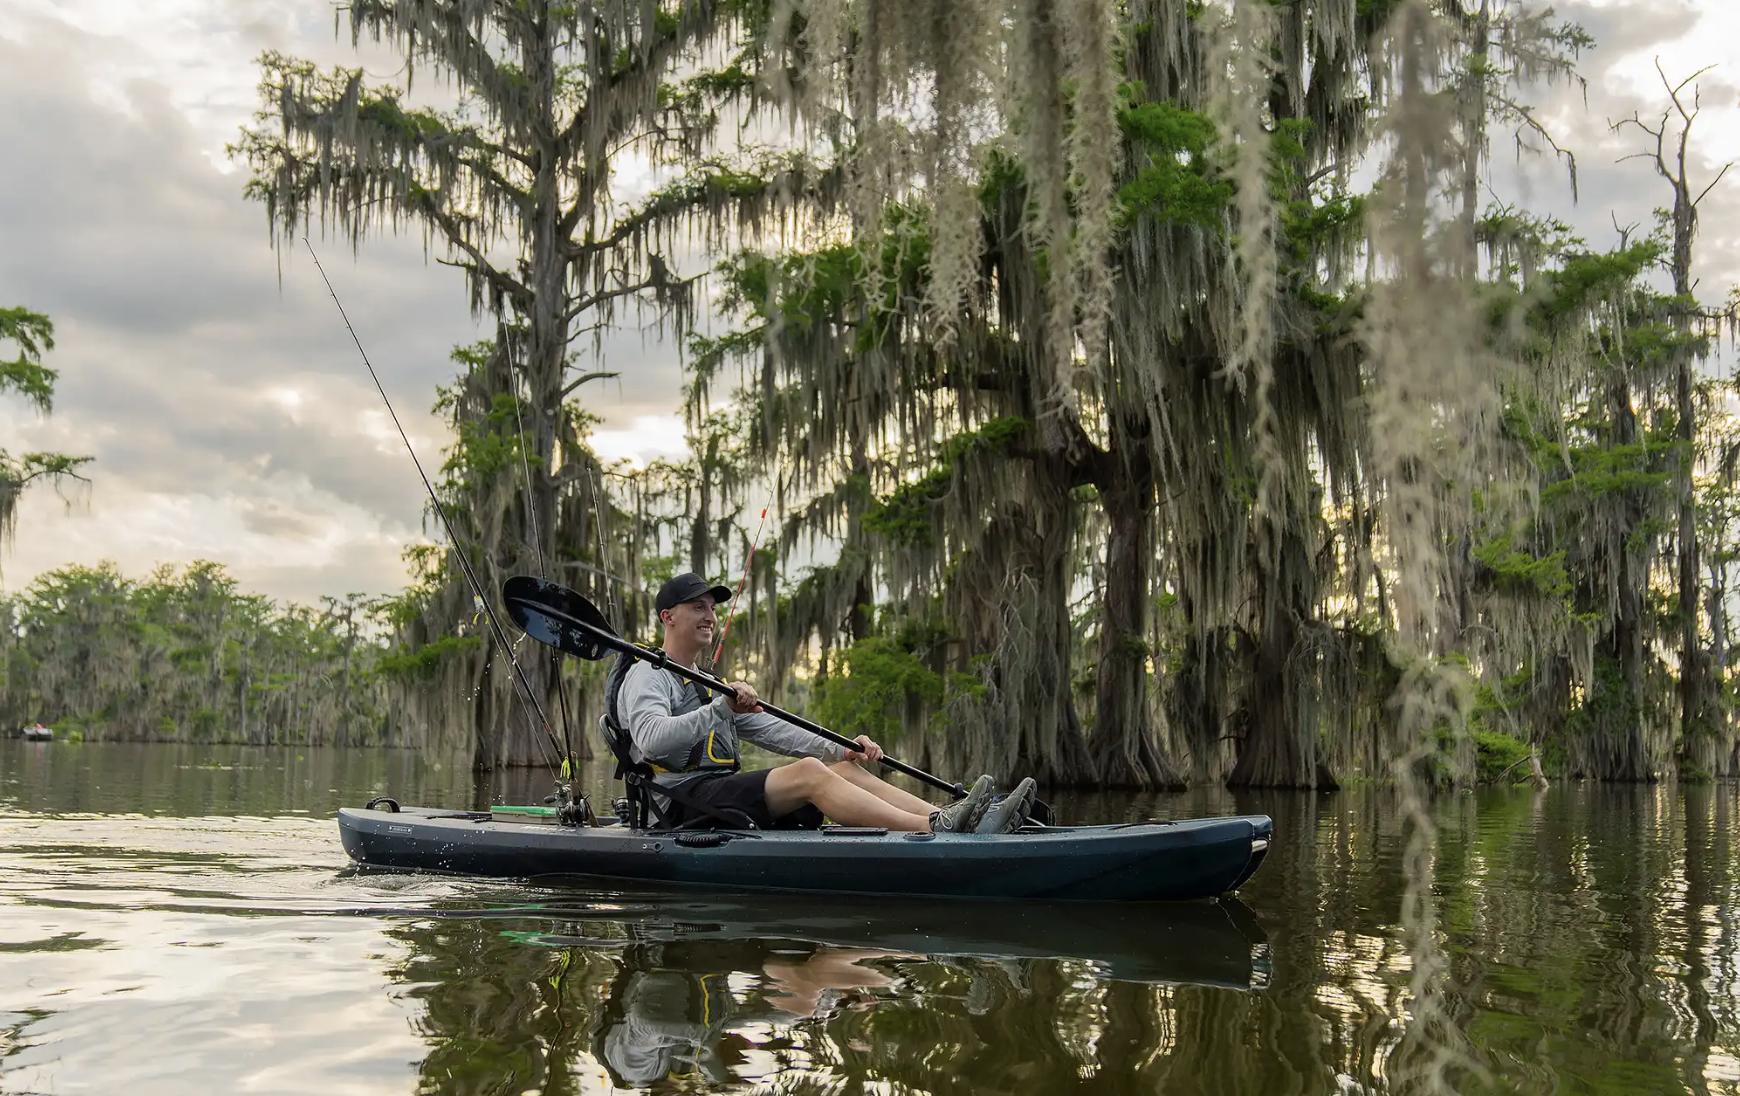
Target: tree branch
(596, 375)
(454, 230)
(1706, 191)
(658, 280)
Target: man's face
(694, 620)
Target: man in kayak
(691, 744)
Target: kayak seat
(638, 778)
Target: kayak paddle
(558, 617)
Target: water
(181, 919)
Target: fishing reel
(572, 806)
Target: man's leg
(811, 781)
(881, 789)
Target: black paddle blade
(558, 617)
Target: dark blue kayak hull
(1148, 861)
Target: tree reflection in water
(667, 993)
(1593, 934)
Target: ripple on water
(1592, 936)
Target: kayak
(1216, 943)
(1138, 861)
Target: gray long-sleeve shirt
(672, 725)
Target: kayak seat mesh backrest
(637, 776)
(634, 775)
(615, 731)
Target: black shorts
(736, 795)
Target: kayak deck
(1193, 859)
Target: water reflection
(173, 920)
(633, 990)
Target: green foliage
(906, 516)
(17, 472)
(705, 90)
(31, 333)
(490, 445)
(718, 183)
(1372, 12)
(384, 109)
(877, 681)
(1609, 708)
(1497, 756)
(1586, 278)
(1309, 226)
(810, 290)
(186, 655)
(1174, 181)
(1610, 469)
(407, 664)
(1517, 571)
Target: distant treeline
(186, 656)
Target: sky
(214, 383)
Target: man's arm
(657, 733)
(772, 733)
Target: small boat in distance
(36, 732)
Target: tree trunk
(1628, 755)
(1056, 750)
(1123, 745)
(545, 352)
(1279, 747)
(1694, 722)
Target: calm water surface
(181, 919)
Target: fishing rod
(568, 767)
(719, 647)
(529, 694)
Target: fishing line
(441, 511)
(543, 564)
(526, 466)
(598, 520)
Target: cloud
(648, 437)
(228, 410)
(1622, 80)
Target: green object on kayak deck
(544, 815)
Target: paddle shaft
(614, 642)
(708, 681)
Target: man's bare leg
(811, 781)
(881, 789)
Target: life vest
(715, 753)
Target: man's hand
(744, 701)
(866, 753)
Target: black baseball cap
(688, 587)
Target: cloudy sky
(227, 410)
